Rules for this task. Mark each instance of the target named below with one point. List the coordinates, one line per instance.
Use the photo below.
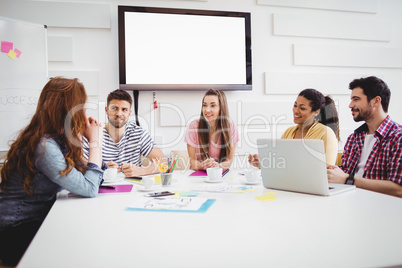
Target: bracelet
(350, 180)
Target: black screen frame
(182, 87)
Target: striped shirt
(134, 143)
(385, 159)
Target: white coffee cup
(110, 174)
(148, 181)
(252, 175)
(214, 173)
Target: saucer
(252, 183)
(154, 188)
(146, 190)
(212, 181)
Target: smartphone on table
(164, 193)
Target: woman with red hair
(45, 158)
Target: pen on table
(225, 172)
(133, 178)
(173, 165)
(107, 187)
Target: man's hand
(254, 160)
(336, 175)
(113, 164)
(131, 170)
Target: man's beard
(120, 125)
(364, 114)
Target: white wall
(318, 44)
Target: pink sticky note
(204, 173)
(12, 54)
(123, 188)
(18, 53)
(6, 46)
(199, 173)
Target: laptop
(296, 165)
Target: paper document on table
(223, 188)
(172, 204)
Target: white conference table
(353, 229)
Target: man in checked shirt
(372, 157)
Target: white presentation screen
(184, 49)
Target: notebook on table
(296, 165)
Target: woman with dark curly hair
(315, 117)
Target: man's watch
(350, 180)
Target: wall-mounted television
(183, 49)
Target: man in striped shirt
(372, 157)
(124, 142)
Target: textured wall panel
(347, 56)
(241, 112)
(60, 48)
(90, 79)
(332, 27)
(58, 14)
(262, 112)
(365, 6)
(292, 83)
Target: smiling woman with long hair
(315, 117)
(45, 158)
(211, 140)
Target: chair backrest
(183, 162)
(338, 161)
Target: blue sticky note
(189, 194)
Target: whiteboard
(23, 73)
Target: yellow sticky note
(12, 54)
(177, 193)
(230, 178)
(239, 191)
(157, 178)
(265, 198)
(251, 190)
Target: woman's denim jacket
(16, 206)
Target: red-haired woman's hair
(53, 112)
(222, 128)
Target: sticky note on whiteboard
(17, 52)
(6, 46)
(12, 54)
